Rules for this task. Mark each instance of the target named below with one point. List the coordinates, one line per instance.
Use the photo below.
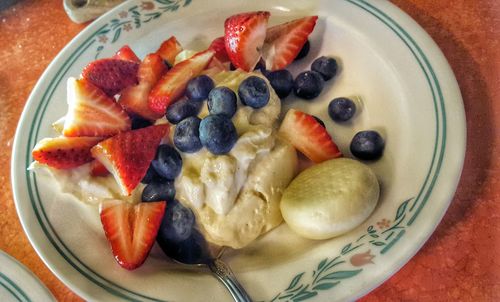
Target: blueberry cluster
(216, 132)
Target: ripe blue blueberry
(326, 66)
(341, 109)
(222, 100)
(168, 162)
(177, 223)
(308, 85)
(218, 134)
(150, 175)
(187, 135)
(159, 190)
(182, 109)
(367, 145)
(253, 92)
(281, 81)
(198, 88)
(303, 51)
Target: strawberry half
(98, 169)
(219, 46)
(173, 84)
(64, 152)
(284, 41)
(244, 36)
(169, 49)
(131, 229)
(111, 75)
(128, 155)
(127, 54)
(91, 112)
(308, 136)
(135, 98)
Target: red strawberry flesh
(111, 75)
(284, 41)
(91, 112)
(135, 98)
(308, 136)
(169, 49)
(128, 155)
(244, 36)
(173, 84)
(131, 229)
(218, 45)
(64, 152)
(127, 54)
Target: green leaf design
(378, 243)
(165, 1)
(304, 296)
(117, 35)
(295, 281)
(345, 249)
(341, 275)
(325, 286)
(186, 2)
(322, 263)
(402, 208)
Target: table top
(459, 262)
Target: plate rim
(422, 35)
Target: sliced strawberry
(308, 136)
(111, 75)
(127, 54)
(173, 84)
(98, 169)
(169, 49)
(131, 229)
(64, 152)
(219, 46)
(128, 155)
(284, 41)
(91, 112)
(244, 36)
(135, 98)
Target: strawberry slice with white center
(135, 98)
(284, 41)
(308, 136)
(173, 84)
(244, 36)
(127, 54)
(131, 229)
(128, 155)
(91, 112)
(169, 49)
(64, 152)
(111, 75)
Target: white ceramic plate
(18, 284)
(408, 92)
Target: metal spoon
(203, 256)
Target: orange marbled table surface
(460, 262)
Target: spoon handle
(226, 276)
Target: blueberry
(177, 223)
(303, 51)
(150, 175)
(308, 85)
(261, 65)
(193, 250)
(367, 145)
(222, 100)
(198, 88)
(319, 121)
(326, 66)
(218, 134)
(187, 135)
(168, 162)
(341, 109)
(281, 81)
(182, 109)
(253, 92)
(139, 122)
(158, 190)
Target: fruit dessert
(185, 146)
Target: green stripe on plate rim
(418, 203)
(13, 289)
